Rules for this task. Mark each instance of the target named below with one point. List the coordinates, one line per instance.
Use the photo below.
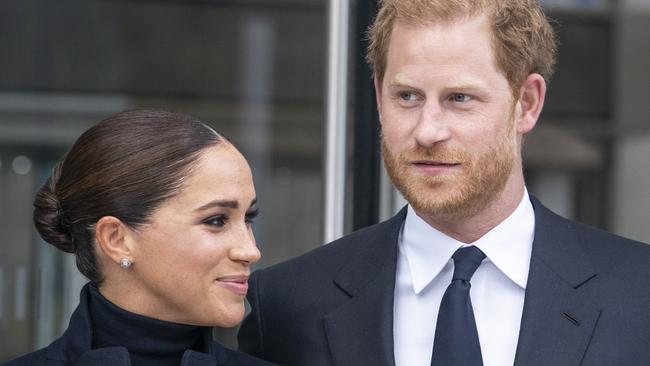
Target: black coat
(587, 300)
(73, 348)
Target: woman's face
(192, 261)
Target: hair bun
(48, 216)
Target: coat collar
(557, 322)
(74, 346)
(365, 322)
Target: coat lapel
(360, 332)
(74, 346)
(557, 322)
(194, 358)
(109, 356)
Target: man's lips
(236, 283)
(434, 167)
(433, 162)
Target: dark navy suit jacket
(587, 300)
(74, 348)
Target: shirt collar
(508, 246)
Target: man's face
(448, 135)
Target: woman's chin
(229, 316)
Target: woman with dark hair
(157, 208)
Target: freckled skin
(178, 256)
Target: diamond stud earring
(125, 263)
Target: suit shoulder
(613, 248)
(31, 359)
(605, 249)
(598, 238)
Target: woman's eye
(250, 216)
(217, 221)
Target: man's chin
(442, 201)
(439, 209)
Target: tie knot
(466, 261)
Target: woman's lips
(236, 284)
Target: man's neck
(470, 229)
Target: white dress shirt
(425, 268)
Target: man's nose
(432, 126)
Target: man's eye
(407, 96)
(459, 97)
(217, 221)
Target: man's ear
(530, 104)
(112, 237)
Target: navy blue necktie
(456, 340)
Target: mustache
(437, 154)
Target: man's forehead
(439, 21)
(442, 44)
(453, 80)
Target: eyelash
(251, 215)
(220, 220)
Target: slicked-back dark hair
(125, 166)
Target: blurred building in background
(257, 71)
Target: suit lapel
(557, 322)
(360, 332)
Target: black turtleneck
(149, 341)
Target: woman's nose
(246, 250)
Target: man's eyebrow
(464, 83)
(468, 85)
(400, 81)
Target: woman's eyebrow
(219, 203)
(233, 204)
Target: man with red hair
(474, 271)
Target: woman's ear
(112, 237)
(530, 104)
